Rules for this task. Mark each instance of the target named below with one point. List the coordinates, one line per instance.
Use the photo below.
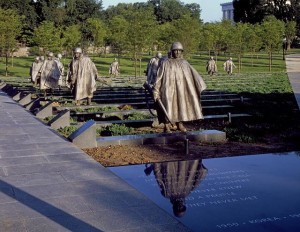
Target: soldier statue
(49, 74)
(178, 88)
(82, 76)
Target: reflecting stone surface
(247, 193)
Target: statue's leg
(89, 101)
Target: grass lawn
(18, 67)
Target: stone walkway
(293, 71)
(48, 184)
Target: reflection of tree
(177, 179)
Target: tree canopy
(255, 11)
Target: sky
(211, 9)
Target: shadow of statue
(177, 180)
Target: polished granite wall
(246, 193)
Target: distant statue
(114, 68)
(82, 76)
(228, 66)
(177, 180)
(34, 70)
(61, 69)
(211, 66)
(178, 88)
(152, 68)
(49, 73)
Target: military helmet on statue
(176, 46)
(78, 50)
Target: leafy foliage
(137, 116)
(47, 36)
(67, 131)
(121, 129)
(10, 28)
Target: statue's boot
(181, 127)
(167, 128)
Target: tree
(165, 36)
(10, 29)
(97, 31)
(208, 37)
(71, 37)
(249, 11)
(141, 32)
(28, 16)
(238, 41)
(290, 33)
(51, 10)
(48, 37)
(225, 32)
(272, 35)
(187, 31)
(195, 10)
(253, 39)
(118, 34)
(119, 10)
(169, 10)
(254, 11)
(80, 10)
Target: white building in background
(227, 9)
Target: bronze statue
(49, 74)
(179, 87)
(82, 76)
(228, 66)
(211, 66)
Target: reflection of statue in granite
(177, 179)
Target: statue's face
(176, 53)
(77, 55)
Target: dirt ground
(129, 155)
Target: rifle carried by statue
(159, 102)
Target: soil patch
(129, 155)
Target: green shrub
(67, 130)
(117, 129)
(137, 116)
(109, 108)
(48, 119)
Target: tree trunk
(140, 67)
(270, 61)
(6, 64)
(135, 65)
(239, 63)
(12, 60)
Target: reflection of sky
(249, 193)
